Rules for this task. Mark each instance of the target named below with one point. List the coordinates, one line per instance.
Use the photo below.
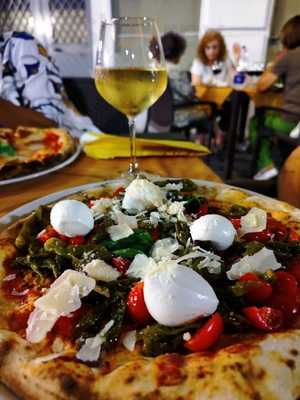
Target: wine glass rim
(130, 21)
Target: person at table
(187, 112)
(286, 66)
(31, 88)
(211, 66)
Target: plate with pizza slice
(154, 289)
(28, 153)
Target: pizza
(28, 150)
(153, 289)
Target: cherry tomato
(206, 335)
(136, 305)
(277, 228)
(236, 222)
(46, 234)
(262, 236)
(121, 264)
(202, 210)
(64, 326)
(76, 240)
(155, 234)
(118, 191)
(91, 203)
(284, 297)
(264, 318)
(293, 235)
(260, 291)
(294, 268)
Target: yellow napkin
(111, 146)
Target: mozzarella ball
(142, 194)
(175, 294)
(215, 228)
(71, 218)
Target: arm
(196, 79)
(267, 80)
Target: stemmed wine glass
(130, 69)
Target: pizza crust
(268, 368)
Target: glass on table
(130, 70)
(254, 71)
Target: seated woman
(286, 66)
(31, 87)
(211, 66)
(187, 113)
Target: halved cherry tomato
(202, 210)
(136, 305)
(64, 326)
(260, 291)
(206, 335)
(262, 236)
(294, 267)
(264, 318)
(46, 234)
(155, 234)
(118, 191)
(284, 297)
(277, 228)
(121, 264)
(293, 235)
(76, 240)
(236, 222)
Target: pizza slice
(27, 150)
(158, 290)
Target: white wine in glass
(130, 72)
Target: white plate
(45, 171)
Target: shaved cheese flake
(101, 271)
(91, 349)
(164, 248)
(254, 221)
(210, 260)
(101, 206)
(39, 324)
(62, 298)
(140, 265)
(186, 336)
(122, 218)
(154, 218)
(129, 340)
(174, 186)
(121, 231)
(260, 262)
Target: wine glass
(130, 70)
(217, 67)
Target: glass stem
(133, 166)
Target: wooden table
(219, 95)
(86, 170)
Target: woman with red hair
(210, 52)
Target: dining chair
(286, 144)
(161, 115)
